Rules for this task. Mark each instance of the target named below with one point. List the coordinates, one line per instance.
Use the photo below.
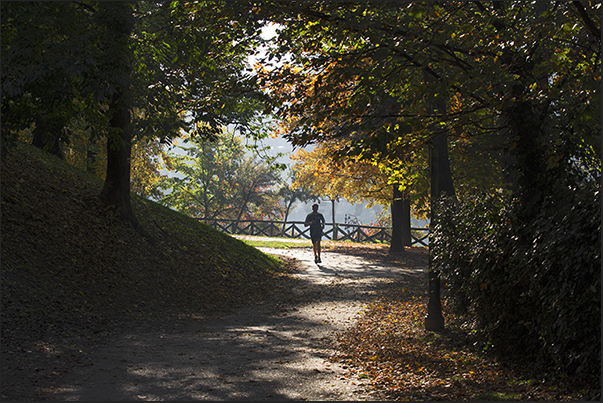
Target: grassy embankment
(71, 267)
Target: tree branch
(85, 6)
(590, 25)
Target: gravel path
(261, 352)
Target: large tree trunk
(400, 209)
(441, 174)
(531, 181)
(522, 122)
(441, 183)
(116, 190)
(118, 22)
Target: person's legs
(317, 253)
(315, 245)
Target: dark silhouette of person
(316, 221)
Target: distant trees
(218, 179)
(148, 159)
(402, 183)
(355, 181)
(291, 193)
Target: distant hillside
(70, 266)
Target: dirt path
(261, 352)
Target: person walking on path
(316, 221)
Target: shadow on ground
(277, 349)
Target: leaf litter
(389, 346)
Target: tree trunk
(47, 137)
(522, 121)
(333, 216)
(91, 156)
(244, 205)
(441, 183)
(406, 237)
(525, 129)
(396, 245)
(118, 22)
(116, 190)
(287, 210)
(441, 174)
(400, 209)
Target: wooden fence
(297, 229)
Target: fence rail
(297, 229)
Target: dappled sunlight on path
(266, 351)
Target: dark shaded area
(73, 271)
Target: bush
(531, 286)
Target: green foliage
(187, 60)
(274, 243)
(217, 179)
(532, 287)
(189, 71)
(45, 54)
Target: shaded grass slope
(71, 269)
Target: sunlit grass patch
(279, 244)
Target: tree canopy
(383, 76)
